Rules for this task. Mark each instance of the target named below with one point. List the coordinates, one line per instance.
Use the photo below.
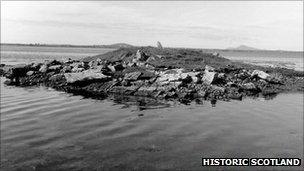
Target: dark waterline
(45, 129)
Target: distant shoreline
(114, 46)
(121, 45)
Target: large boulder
(260, 74)
(174, 75)
(84, 76)
(29, 73)
(19, 70)
(140, 56)
(193, 76)
(55, 67)
(170, 75)
(132, 76)
(249, 87)
(209, 77)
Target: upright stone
(159, 45)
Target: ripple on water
(141, 133)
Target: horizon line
(92, 45)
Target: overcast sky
(205, 24)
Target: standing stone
(159, 45)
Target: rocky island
(158, 73)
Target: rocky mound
(182, 74)
(165, 57)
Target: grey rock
(29, 73)
(201, 93)
(140, 56)
(43, 68)
(260, 74)
(93, 64)
(52, 62)
(275, 78)
(132, 76)
(249, 86)
(209, 68)
(209, 77)
(55, 67)
(84, 76)
(112, 68)
(66, 69)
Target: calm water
(12, 55)
(285, 59)
(46, 129)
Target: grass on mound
(185, 58)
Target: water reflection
(270, 96)
(51, 130)
(142, 103)
(213, 102)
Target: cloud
(188, 23)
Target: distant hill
(118, 45)
(242, 47)
(112, 46)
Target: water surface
(12, 54)
(45, 129)
(284, 59)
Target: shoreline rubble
(159, 73)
